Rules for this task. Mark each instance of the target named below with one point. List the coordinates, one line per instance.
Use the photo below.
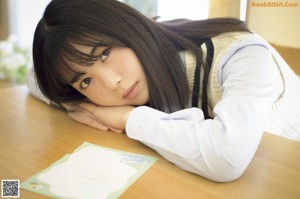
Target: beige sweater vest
(285, 117)
(221, 44)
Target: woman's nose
(109, 78)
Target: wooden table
(33, 135)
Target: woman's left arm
(219, 149)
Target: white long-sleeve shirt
(221, 148)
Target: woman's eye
(105, 54)
(85, 83)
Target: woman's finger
(87, 119)
(88, 106)
(116, 130)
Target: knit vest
(285, 117)
(222, 44)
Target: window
(168, 10)
(24, 15)
(189, 9)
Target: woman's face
(115, 79)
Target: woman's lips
(132, 91)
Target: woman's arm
(218, 149)
(33, 87)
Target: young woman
(200, 93)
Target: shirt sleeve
(33, 87)
(221, 148)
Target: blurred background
(275, 21)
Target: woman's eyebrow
(76, 78)
(92, 53)
(93, 50)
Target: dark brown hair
(111, 23)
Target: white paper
(90, 172)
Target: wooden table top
(34, 135)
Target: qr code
(10, 188)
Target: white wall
(23, 17)
(276, 21)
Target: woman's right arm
(219, 149)
(33, 87)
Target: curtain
(3, 20)
(224, 8)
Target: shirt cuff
(139, 125)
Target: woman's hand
(83, 116)
(114, 118)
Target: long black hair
(111, 23)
